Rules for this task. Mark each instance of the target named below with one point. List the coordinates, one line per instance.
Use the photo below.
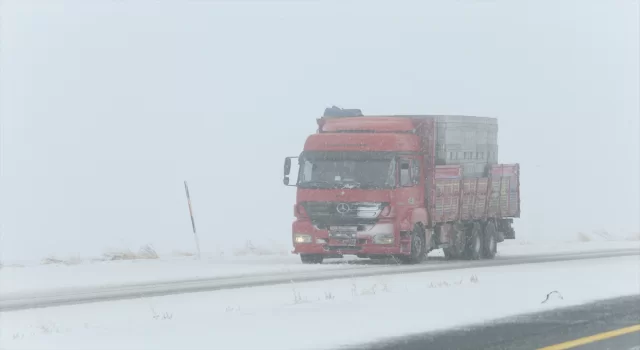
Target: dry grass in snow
(73, 260)
(260, 250)
(603, 235)
(145, 252)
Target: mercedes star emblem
(342, 208)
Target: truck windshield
(370, 170)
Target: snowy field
(18, 279)
(320, 315)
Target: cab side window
(409, 173)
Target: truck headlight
(385, 238)
(302, 238)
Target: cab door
(410, 194)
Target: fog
(107, 107)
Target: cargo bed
(459, 198)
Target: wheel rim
(416, 245)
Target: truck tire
(418, 244)
(457, 246)
(449, 254)
(473, 248)
(490, 241)
(311, 258)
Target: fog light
(321, 241)
(302, 238)
(386, 238)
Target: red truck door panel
(409, 194)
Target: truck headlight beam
(302, 238)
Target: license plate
(347, 242)
(350, 242)
(345, 238)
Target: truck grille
(333, 213)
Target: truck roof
(437, 117)
(393, 123)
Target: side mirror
(287, 170)
(287, 166)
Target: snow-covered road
(16, 279)
(321, 315)
(26, 300)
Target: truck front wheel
(311, 258)
(418, 247)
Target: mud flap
(505, 230)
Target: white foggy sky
(107, 106)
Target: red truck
(401, 186)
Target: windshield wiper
(371, 185)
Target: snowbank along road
(88, 295)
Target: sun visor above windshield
(363, 142)
(366, 124)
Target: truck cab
(360, 191)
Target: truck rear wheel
(457, 244)
(490, 241)
(473, 249)
(449, 253)
(311, 258)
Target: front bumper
(322, 243)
